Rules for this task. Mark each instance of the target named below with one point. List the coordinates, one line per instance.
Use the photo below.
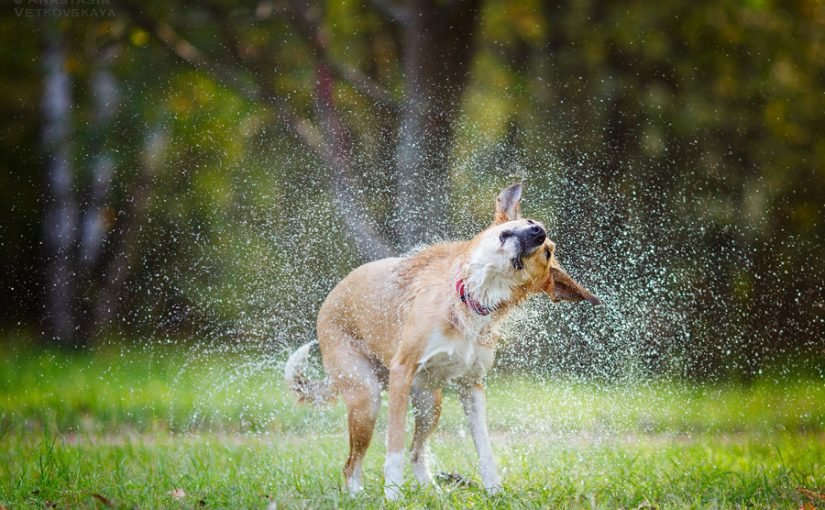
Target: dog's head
(520, 248)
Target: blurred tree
(60, 222)
(684, 132)
(436, 45)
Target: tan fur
(378, 322)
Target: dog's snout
(531, 236)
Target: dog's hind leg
(360, 388)
(362, 408)
(427, 410)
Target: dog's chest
(449, 358)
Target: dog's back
(364, 306)
(371, 303)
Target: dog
(413, 324)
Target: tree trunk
(61, 212)
(105, 97)
(439, 41)
(369, 243)
(94, 220)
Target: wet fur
(398, 324)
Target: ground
(175, 427)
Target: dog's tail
(315, 392)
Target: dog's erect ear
(561, 287)
(508, 204)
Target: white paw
(490, 479)
(354, 486)
(494, 489)
(393, 475)
(392, 492)
(421, 471)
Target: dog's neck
(467, 298)
(485, 288)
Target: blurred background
(204, 172)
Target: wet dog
(413, 324)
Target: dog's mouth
(528, 240)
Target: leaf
(455, 479)
(810, 493)
(103, 500)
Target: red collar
(467, 299)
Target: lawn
(182, 428)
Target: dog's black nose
(535, 230)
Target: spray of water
(258, 279)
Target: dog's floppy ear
(561, 287)
(508, 204)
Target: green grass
(125, 428)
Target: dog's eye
(547, 253)
(504, 235)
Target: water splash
(252, 291)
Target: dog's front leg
(475, 408)
(401, 378)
